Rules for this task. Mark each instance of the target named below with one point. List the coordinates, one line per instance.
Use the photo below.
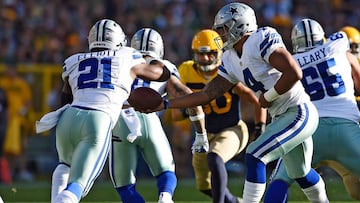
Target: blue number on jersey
(139, 83)
(332, 84)
(251, 82)
(336, 36)
(87, 80)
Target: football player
(227, 133)
(139, 134)
(96, 84)
(353, 35)
(330, 74)
(258, 58)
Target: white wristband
(197, 117)
(271, 95)
(201, 134)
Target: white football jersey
(327, 78)
(101, 80)
(160, 87)
(253, 69)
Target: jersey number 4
(95, 78)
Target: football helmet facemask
(106, 34)
(149, 42)
(207, 42)
(306, 35)
(233, 21)
(353, 35)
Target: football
(144, 98)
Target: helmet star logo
(233, 11)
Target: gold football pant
(227, 143)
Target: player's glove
(201, 143)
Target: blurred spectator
(33, 31)
(283, 25)
(19, 101)
(5, 175)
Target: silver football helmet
(234, 20)
(106, 34)
(149, 42)
(306, 35)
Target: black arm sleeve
(66, 98)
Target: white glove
(200, 144)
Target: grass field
(103, 192)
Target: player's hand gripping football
(201, 143)
(151, 110)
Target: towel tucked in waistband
(132, 122)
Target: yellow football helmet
(354, 38)
(207, 42)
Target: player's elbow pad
(165, 74)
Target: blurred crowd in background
(43, 31)
(48, 31)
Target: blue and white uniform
(151, 141)
(328, 80)
(294, 117)
(100, 84)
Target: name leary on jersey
(317, 55)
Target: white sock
(165, 197)
(317, 192)
(253, 192)
(59, 180)
(66, 197)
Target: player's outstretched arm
(196, 115)
(155, 71)
(215, 88)
(355, 70)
